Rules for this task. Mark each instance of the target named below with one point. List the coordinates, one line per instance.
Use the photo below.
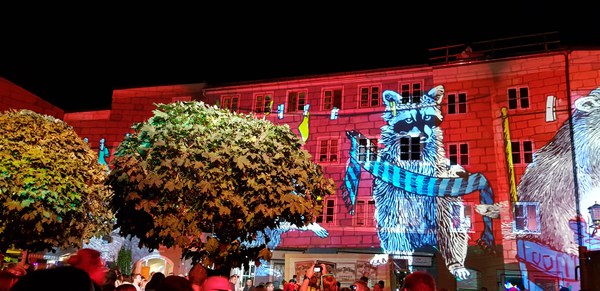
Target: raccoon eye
(427, 117)
(409, 120)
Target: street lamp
(595, 214)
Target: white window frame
(526, 207)
(459, 154)
(364, 213)
(232, 101)
(460, 107)
(410, 94)
(465, 216)
(371, 96)
(264, 103)
(329, 213)
(332, 100)
(519, 98)
(329, 151)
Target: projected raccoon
(416, 192)
(412, 140)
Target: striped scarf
(416, 183)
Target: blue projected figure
(103, 153)
(413, 179)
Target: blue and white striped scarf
(416, 183)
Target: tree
(124, 261)
(194, 169)
(52, 189)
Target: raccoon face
(413, 119)
(416, 123)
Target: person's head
(155, 280)
(175, 283)
(419, 281)
(360, 285)
(126, 287)
(216, 283)
(233, 278)
(127, 278)
(137, 278)
(249, 282)
(91, 262)
(381, 284)
(269, 286)
(110, 277)
(197, 275)
(315, 281)
(329, 283)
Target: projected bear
(549, 180)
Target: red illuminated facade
(476, 93)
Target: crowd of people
(87, 271)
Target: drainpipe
(582, 249)
(509, 160)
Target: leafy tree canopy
(52, 189)
(194, 169)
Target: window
(527, 218)
(248, 273)
(364, 213)
(462, 216)
(369, 96)
(457, 103)
(459, 154)
(332, 98)
(296, 100)
(367, 149)
(522, 152)
(410, 148)
(263, 103)
(518, 98)
(230, 102)
(411, 93)
(328, 150)
(328, 211)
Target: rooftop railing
(497, 48)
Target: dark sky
(76, 64)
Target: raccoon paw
(459, 271)
(489, 210)
(318, 230)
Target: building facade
(497, 113)
(502, 200)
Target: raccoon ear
(390, 96)
(437, 93)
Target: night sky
(76, 65)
